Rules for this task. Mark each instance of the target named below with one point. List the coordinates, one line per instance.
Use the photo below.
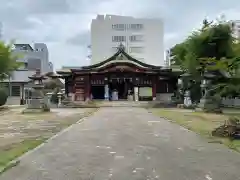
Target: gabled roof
(121, 53)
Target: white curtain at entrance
(145, 92)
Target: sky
(64, 25)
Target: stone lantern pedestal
(187, 99)
(59, 95)
(49, 95)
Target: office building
(142, 38)
(31, 58)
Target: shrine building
(120, 77)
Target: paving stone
(120, 143)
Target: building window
(136, 26)
(118, 38)
(136, 49)
(119, 27)
(136, 38)
(123, 27)
(15, 90)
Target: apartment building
(142, 38)
(31, 58)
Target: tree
(52, 84)
(8, 61)
(211, 47)
(178, 53)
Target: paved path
(127, 144)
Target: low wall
(227, 102)
(164, 97)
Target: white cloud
(64, 24)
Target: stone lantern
(37, 100)
(207, 102)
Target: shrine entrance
(97, 92)
(120, 87)
(119, 77)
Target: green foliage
(3, 96)
(211, 48)
(8, 61)
(53, 84)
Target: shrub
(213, 105)
(3, 96)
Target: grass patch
(7, 154)
(36, 129)
(200, 122)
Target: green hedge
(3, 96)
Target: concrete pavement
(127, 144)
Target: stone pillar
(22, 94)
(10, 88)
(135, 89)
(87, 88)
(73, 96)
(136, 98)
(59, 99)
(66, 86)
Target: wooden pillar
(66, 86)
(87, 88)
(154, 88)
(74, 88)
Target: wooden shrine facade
(121, 72)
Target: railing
(230, 102)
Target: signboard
(145, 92)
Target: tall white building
(142, 38)
(236, 28)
